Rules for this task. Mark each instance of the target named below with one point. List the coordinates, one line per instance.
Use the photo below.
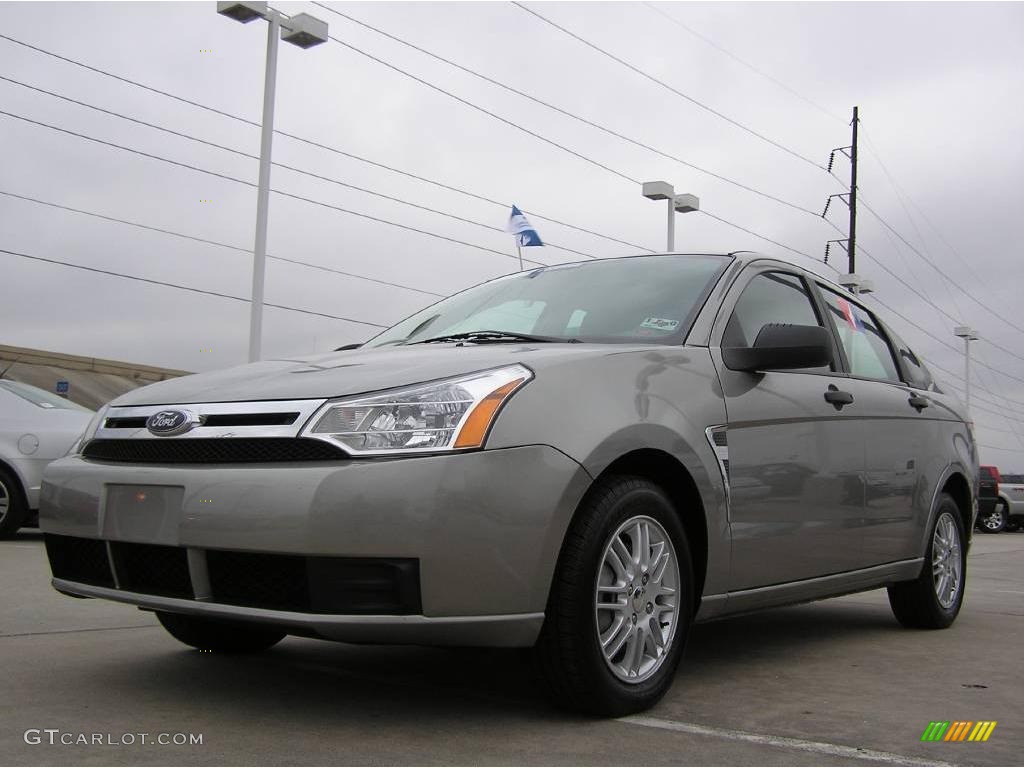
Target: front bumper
(484, 529)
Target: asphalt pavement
(831, 683)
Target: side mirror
(781, 347)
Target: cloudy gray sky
(938, 85)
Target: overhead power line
(185, 287)
(1007, 405)
(767, 239)
(951, 280)
(227, 177)
(285, 166)
(943, 342)
(313, 143)
(901, 194)
(542, 138)
(565, 112)
(934, 305)
(666, 86)
(207, 241)
(747, 64)
(489, 113)
(956, 380)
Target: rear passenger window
(866, 347)
(771, 297)
(917, 374)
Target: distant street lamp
(968, 335)
(662, 190)
(302, 30)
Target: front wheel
(621, 603)
(994, 521)
(218, 635)
(933, 599)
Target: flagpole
(519, 251)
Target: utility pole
(851, 251)
(850, 198)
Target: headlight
(447, 415)
(90, 430)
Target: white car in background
(36, 427)
(1011, 501)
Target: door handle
(919, 401)
(838, 397)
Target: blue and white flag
(525, 234)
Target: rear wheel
(994, 521)
(219, 635)
(13, 508)
(933, 599)
(621, 603)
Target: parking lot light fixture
(243, 12)
(968, 334)
(662, 190)
(304, 31)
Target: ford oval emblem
(167, 423)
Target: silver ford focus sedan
(584, 458)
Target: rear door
(796, 461)
(901, 421)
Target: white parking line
(784, 742)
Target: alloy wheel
(5, 500)
(636, 599)
(993, 521)
(947, 562)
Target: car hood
(356, 371)
(45, 421)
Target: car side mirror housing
(779, 346)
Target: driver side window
(771, 297)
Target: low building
(90, 381)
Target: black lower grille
(77, 559)
(326, 585)
(338, 585)
(152, 570)
(212, 450)
(258, 580)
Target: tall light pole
(662, 190)
(968, 335)
(302, 30)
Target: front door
(796, 460)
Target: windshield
(646, 299)
(39, 397)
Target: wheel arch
(670, 474)
(957, 486)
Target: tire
(994, 521)
(570, 652)
(13, 507)
(929, 602)
(218, 635)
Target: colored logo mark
(958, 730)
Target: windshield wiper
(495, 337)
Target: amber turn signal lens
(475, 429)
